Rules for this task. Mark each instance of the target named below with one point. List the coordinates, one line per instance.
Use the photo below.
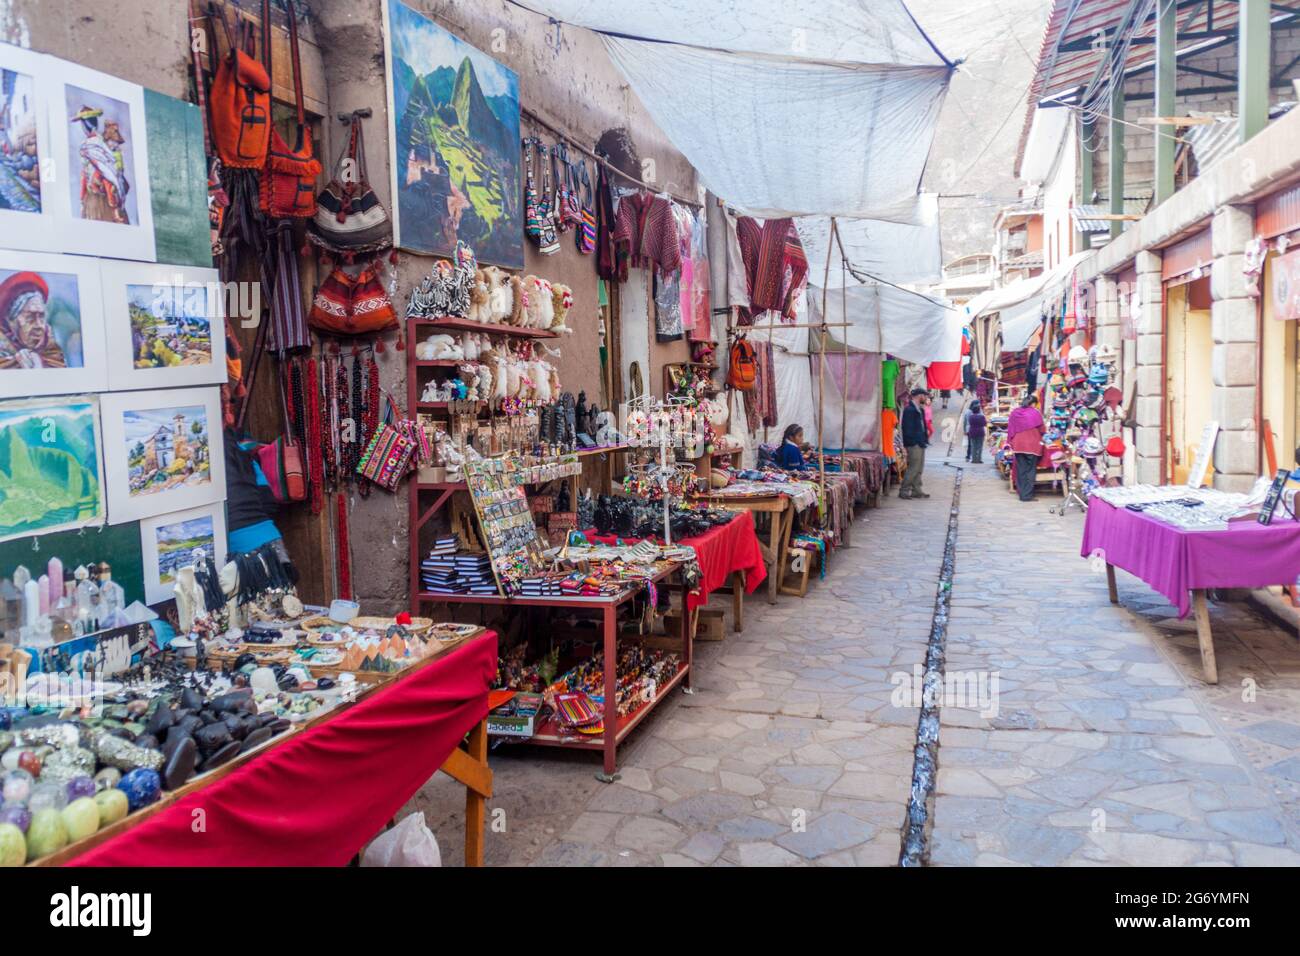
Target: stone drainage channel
(915, 850)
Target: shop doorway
(1279, 352)
(1189, 346)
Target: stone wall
(564, 76)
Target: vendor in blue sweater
(790, 455)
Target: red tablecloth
(323, 794)
(1173, 562)
(721, 550)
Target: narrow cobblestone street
(1103, 747)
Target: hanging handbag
(350, 220)
(390, 455)
(584, 236)
(548, 243)
(532, 211)
(240, 103)
(743, 370)
(281, 463)
(288, 182)
(345, 305)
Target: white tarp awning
(784, 109)
(1021, 304)
(890, 251)
(891, 321)
(837, 31)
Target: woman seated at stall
(790, 455)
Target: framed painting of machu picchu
(454, 143)
(51, 476)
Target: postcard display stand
(506, 523)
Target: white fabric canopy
(894, 252)
(891, 321)
(840, 31)
(1020, 304)
(784, 110)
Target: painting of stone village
(166, 448)
(456, 144)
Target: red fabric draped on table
(721, 550)
(323, 794)
(1174, 562)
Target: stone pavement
(1107, 748)
(1096, 744)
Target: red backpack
(743, 372)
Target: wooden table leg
(1110, 584)
(778, 555)
(470, 767)
(475, 804)
(1209, 666)
(611, 685)
(737, 601)
(787, 527)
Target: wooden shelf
(453, 324)
(440, 406)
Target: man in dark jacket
(915, 440)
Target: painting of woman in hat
(103, 186)
(27, 339)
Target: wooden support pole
(1253, 52)
(1117, 149)
(1166, 89)
(1087, 174)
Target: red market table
(1183, 565)
(317, 794)
(729, 549)
(781, 507)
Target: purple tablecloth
(1173, 562)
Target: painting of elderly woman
(40, 321)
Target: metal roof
(1085, 214)
(1082, 37)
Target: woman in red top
(1025, 430)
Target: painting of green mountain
(456, 144)
(49, 466)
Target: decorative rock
(16, 814)
(30, 762)
(159, 721)
(9, 760)
(256, 738)
(81, 818)
(112, 805)
(47, 796)
(212, 737)
(220, 756)
(81, 786)
(191, 699)
(47, 833)
(124, 755)
(107, 779)
(141, 786)
(13, 845)
(18, 786)
(137, 708)
(63, 765)
(178, 762)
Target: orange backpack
(743, 372)
(240, 104)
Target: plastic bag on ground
(410, 843)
